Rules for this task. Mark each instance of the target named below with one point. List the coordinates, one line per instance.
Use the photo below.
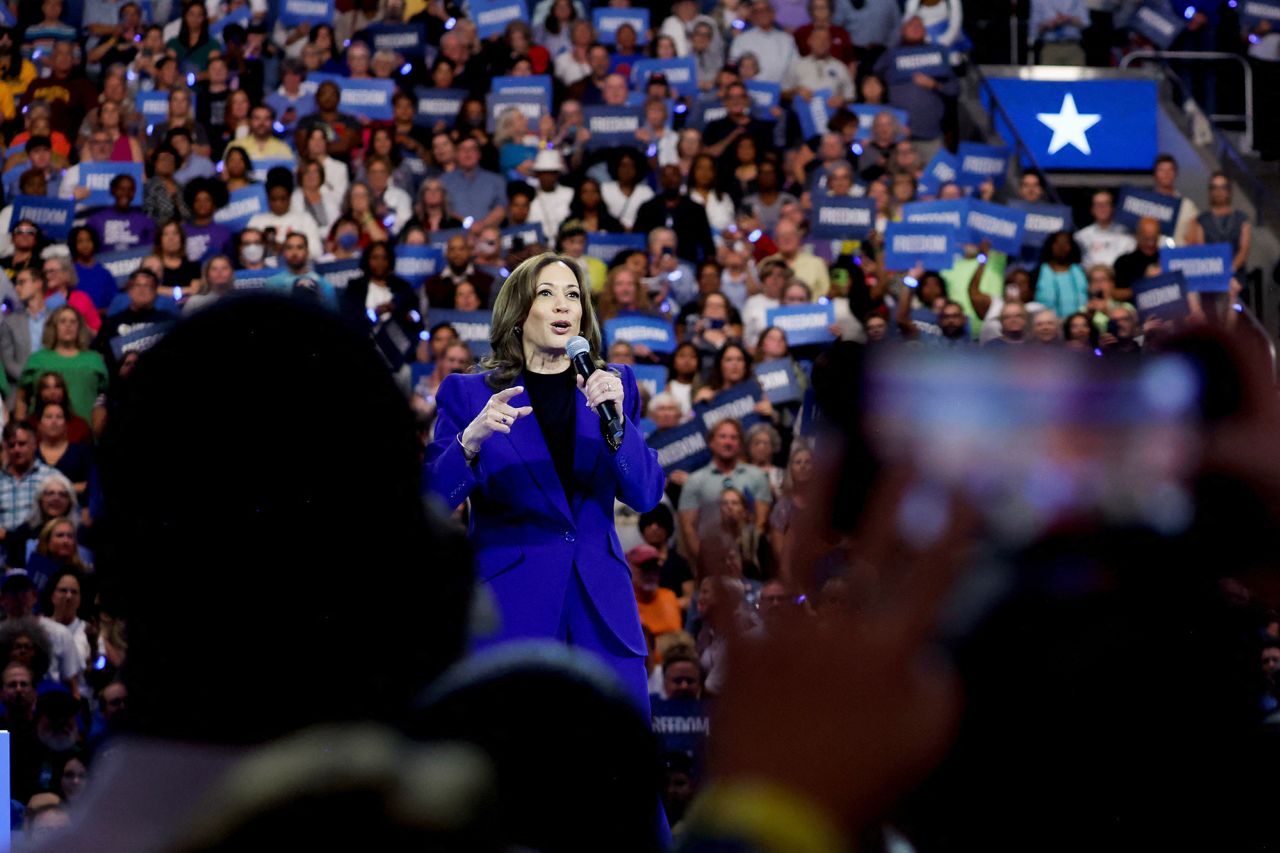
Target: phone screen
(1038, 438)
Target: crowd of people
(695, 233)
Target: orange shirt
(662, 614)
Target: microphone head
(577, 346)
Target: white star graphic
(1068, 126)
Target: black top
(553, 397)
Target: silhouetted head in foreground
(268, 545)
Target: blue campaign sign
(340, 273)
(438, 105)
(369, 99)
(408, 40)
(472, 327)
(97, 177)
(1206, 268)
(295, 12)
(979, 162)
(139, 340)
(652, 378)
(764, 97)
(241, 16)
(804, 324)
(867, 113)
(737, 402)
(1134, 204)
(702, 113)
(1084, 124)
(954, 212)
(532, 84)
(254, 279)
(154, 106)
(928, 244)
(1255, 12)
(440, 239)
(122, 264)
(654, 332)
(682, 448)
(492, 16)
(531, 105)
(681, 74)
(607, 21)
(242, 205)
(261, 168)
(842, 218)
(416, 264)
(812, 114)
(612, 127)
(529, 234)
(1163, 296)
(1042, 220)
(997, 223)
(603, 245)
(53, 216)
(943, 169)
(930, 60)
(778, 379)
(1157, 25)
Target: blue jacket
(526, 536)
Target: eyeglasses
(25, 231)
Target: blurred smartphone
(1036, 439)
(667, 250)
(715, 324)
(1113, 328)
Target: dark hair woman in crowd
(589, 208)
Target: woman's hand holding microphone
(498, 415)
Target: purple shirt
(205, 241)
(119, 231)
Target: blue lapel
(526, 441)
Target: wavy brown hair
(609, 306)
(512, 307)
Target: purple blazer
(527, 538)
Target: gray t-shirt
(704, 486)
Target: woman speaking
(542, 488)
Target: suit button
(568, 536)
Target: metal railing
(1208, 56)
(1019, 145)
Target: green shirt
(85, 374)
(992, 283)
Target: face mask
(253, 253)
(1012, 293)
(348, 241)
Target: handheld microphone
(579, 352)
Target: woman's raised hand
(497, 416)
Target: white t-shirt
(755, 315)
(1100, 245)
(65, 661)
(569, 70)
(624, 207)
(300, 222)
(551, 209)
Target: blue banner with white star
(1083, 124)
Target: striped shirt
(18, 494)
